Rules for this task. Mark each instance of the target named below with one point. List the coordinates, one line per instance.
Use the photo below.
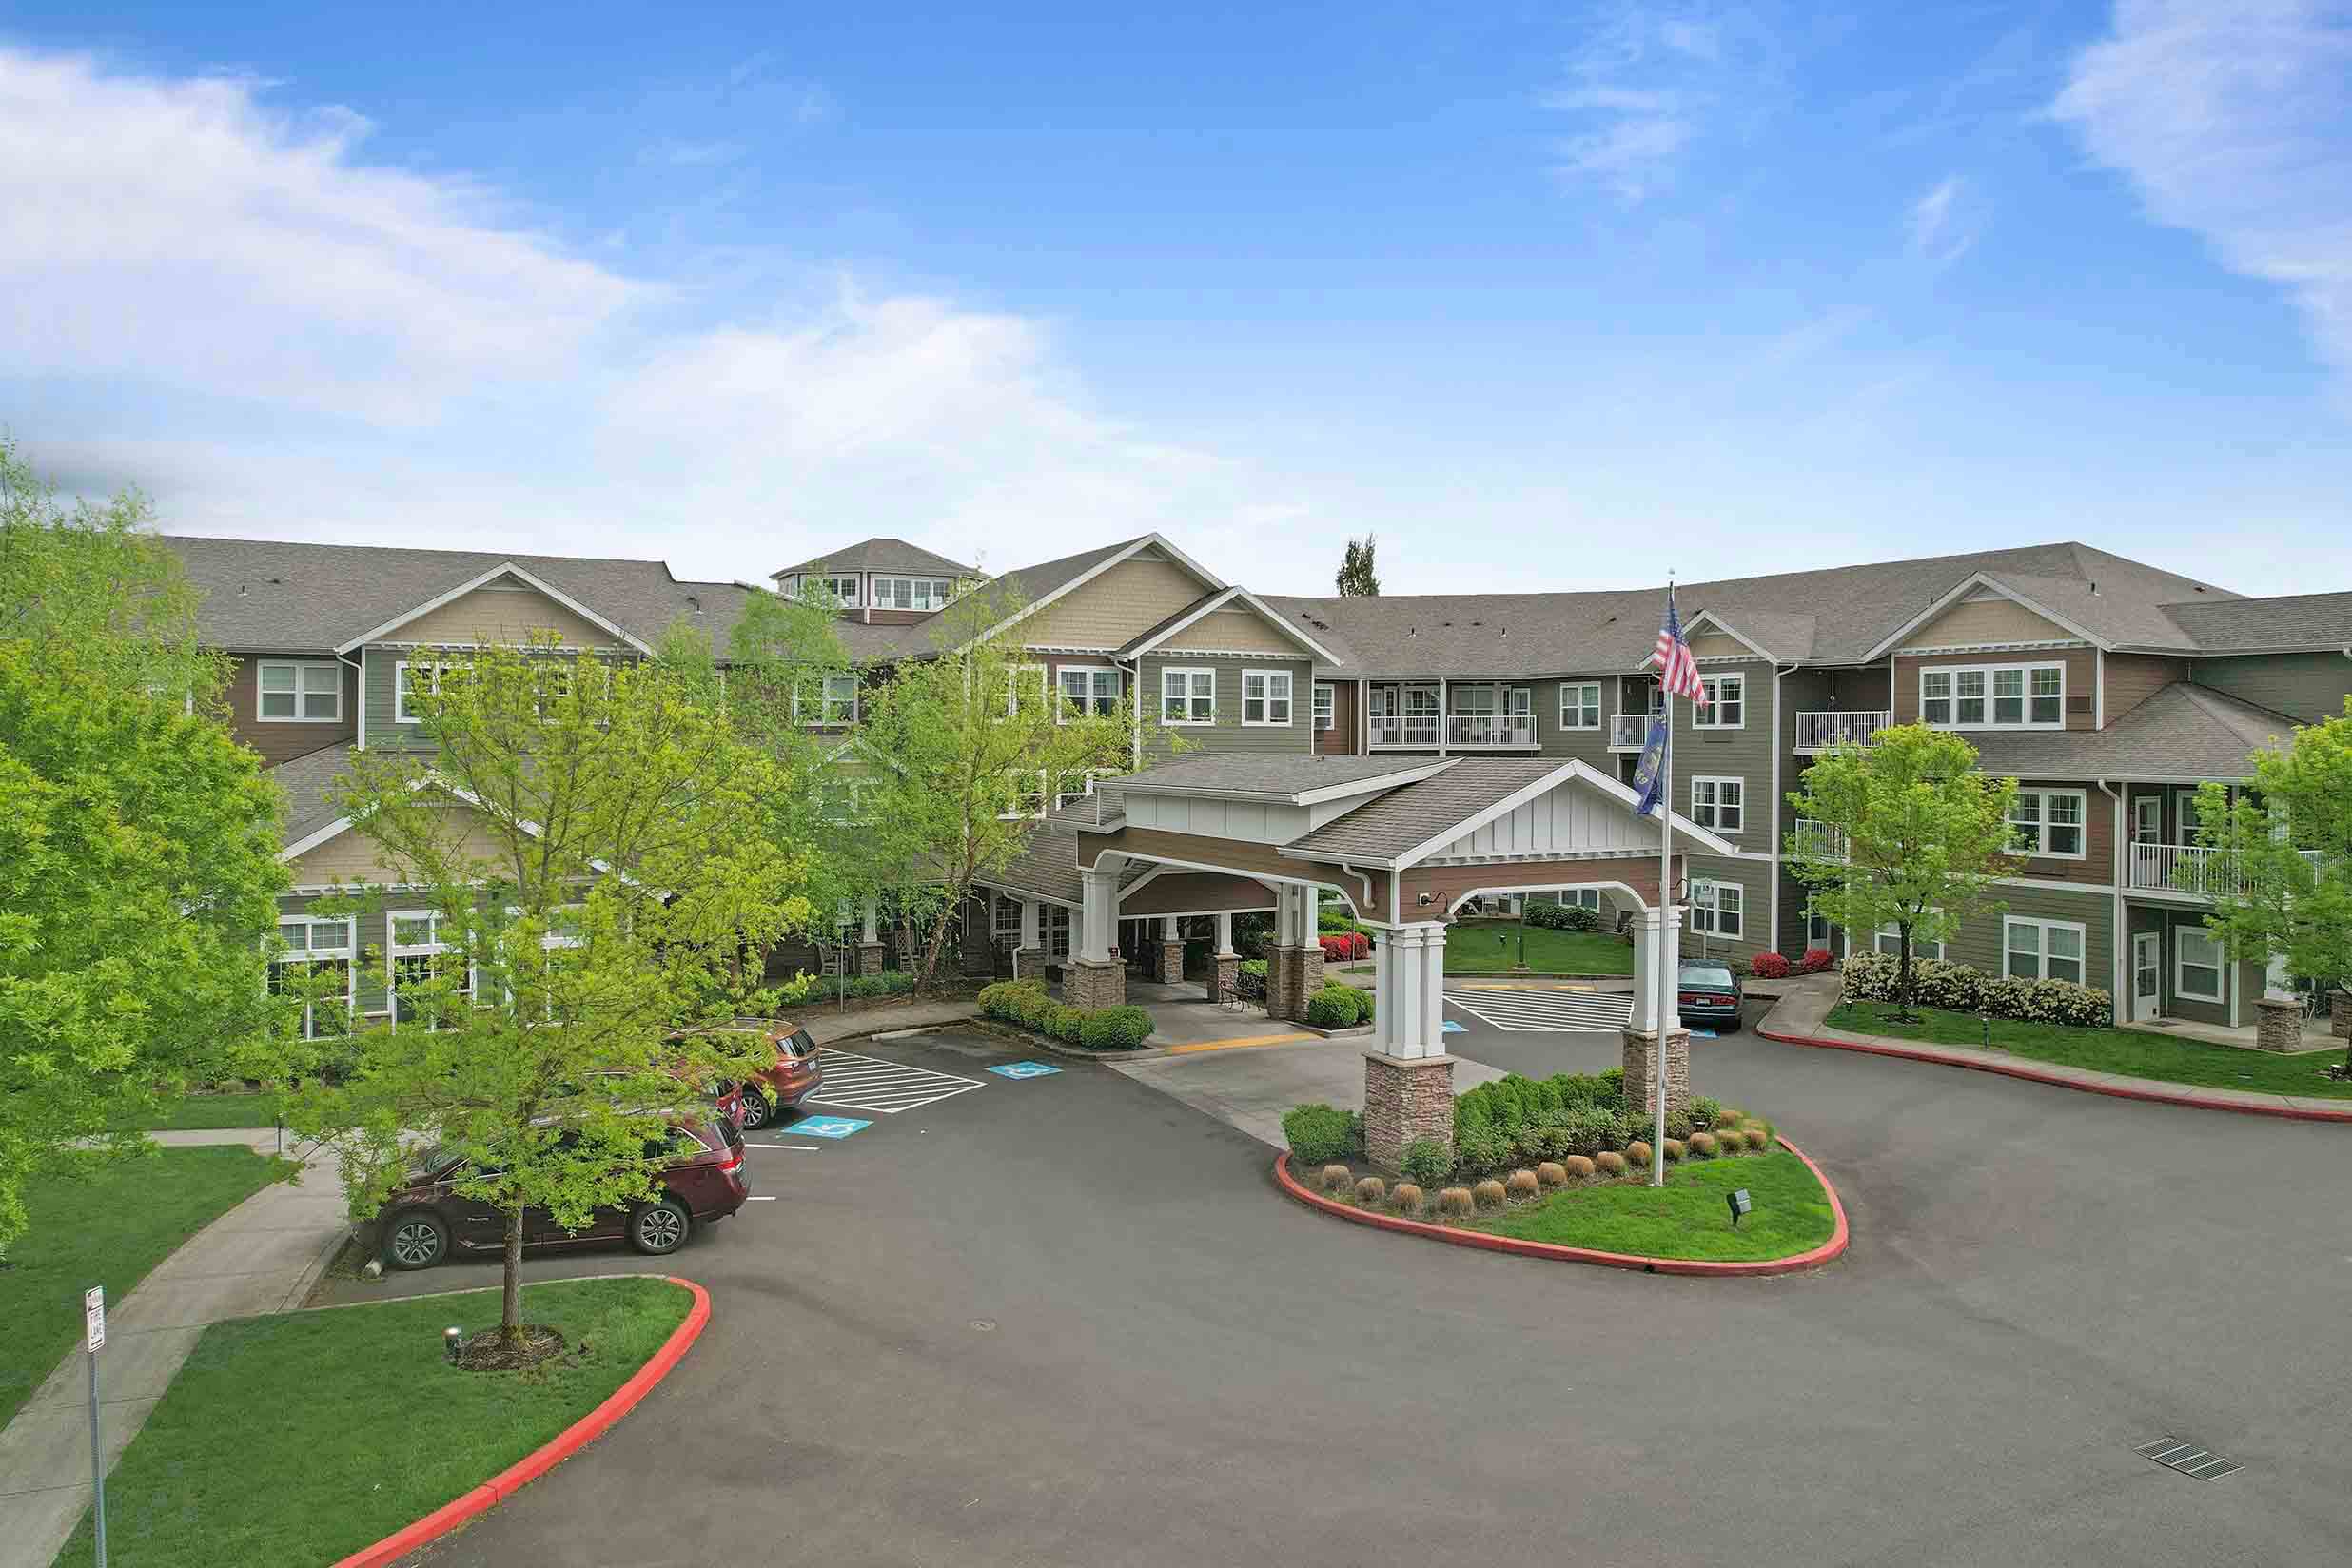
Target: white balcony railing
(1418, 731)
(1820, 838)
(1819, 732)
(1628, 731)
(1490, 729)
(2189, 868)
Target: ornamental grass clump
(1675, 1149)
(1371, 1192)
(1610, 1162)
(1757, 1137)
(1522, 1185)
(1337, 1178)
(1552, 1174)
(1490, 1194)
(1455, 1202)
(1404, 1198)
(1637, 1153)
(1582, 1168)
(1703, 1145)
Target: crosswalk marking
(869, 1083)
(1538, 1012)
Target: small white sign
(94, 1317)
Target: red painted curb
(554, 1452)
(2191, 1098)
(1702, 1267)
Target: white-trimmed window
(419, 956)
(1718, 803)
(1583, 898)
(1326, 706)
(410, 680)
(1727, 702)
(2196, 960)
(1265, 696)
(845, 589)
(296, 694)
(1089, 690)
(2042, 949)
(1994, 696)
(1025, 677)
(1004, 918)
(1816, 927)
(1890, 941)
(2049, 823)
(1579, 705)
(912, 593)
(1053, 923)
(1188, 695)
(836, 704)
(312, 944)
(1716, 907)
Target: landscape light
(451, 1339)
(1739, 1204)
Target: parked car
(793, 1079)
(429, 1220)
(1710, 993)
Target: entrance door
(2148, 975)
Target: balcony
(1490, 731)
(1819, 732)
(1628, 731)
(2190, 871)
(1419, 733)
(1819, 839)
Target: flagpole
(1665, 913)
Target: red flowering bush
(1815, 960)
(1339, 947)
(1769, 965)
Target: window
(1054, 918)
(2196, 965)
(552, 682)
(313, 946)
(1579, 705)
(1816, 927)
(419, 956)
(1188, 697)
(1717, 803)
(409, 681)
(1024, 677)
(1089, 690)
(297, 693)
(1326, 706)
(844, 589)
(1994, 696)
(1716, 907)
(1890, 941)
(911, 593)
(2049, 822)
(2042, 949)
(1583, 898)
(1005, 918)
(1265, 696)
(1727, 703)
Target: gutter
(2115, 899)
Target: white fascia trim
(1976, 580)
(1170, 862)
(1289, 631)
(1373, 785)
(509, 569)
(1572, 769)
(1711, 619)
(1133, 548)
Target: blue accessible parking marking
(824, 1127)
(1024, 1070)
(1453, 1028)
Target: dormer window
(1994, 696)
(844, 589)
(912, 593)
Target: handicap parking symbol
(1024, 1070)
(1452, 1027)
(824, 1127)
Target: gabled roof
(1777, 636)
(304, 782)
(1406, 823)
(496, 574)
(2266, 625)
(2184, 733)
(1047, 867)
(1040, 585)
(880, 555)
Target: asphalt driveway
(1066, 1319)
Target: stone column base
(1294, 975)
(1172, 962)
(2340, 1014)
(1227, 983)
(1404, 1099)
(1641, 1074)
(1094, 983)
(1029, 962)
(2278, 1025)
(1279, 991)
(870, 958)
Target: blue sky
(1548, 296)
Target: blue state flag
(1646, 773)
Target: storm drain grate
(2188, 1458)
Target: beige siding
(503, 617)
(352, 856)
(1718, 645)
(1231, 630)
(1115, 607)
(1982, 621)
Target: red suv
(427, 1220)
(793, 1079)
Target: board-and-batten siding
(1567, 820)
(1115, 608)
(502, 617)
(2082, 666)
(281, 740)
(2305, 686)
(2132, 678)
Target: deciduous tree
(1357, 577)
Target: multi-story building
(2110, 689)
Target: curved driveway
(1068, 1320)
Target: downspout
(359, 664)
(1779, 747)
(2116, 933)
(1136, 727)
(1366, 878)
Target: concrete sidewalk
(1800, 1019)
(263, 1256)
(1253, 1089)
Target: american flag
(1677, 672)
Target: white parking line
(1531, 1011)
(799, 1148)
(869, 1083)
(766, 1198)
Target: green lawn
(1493, 947)
(194, 1112)
(1688, 1217)
(298, 1438)
(2133, 1052)
(109, 1228)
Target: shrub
(1612, 1081)
(1756, 1137)
(1066, 1023)
(1593, 1128)
(1938, 984)
(1115, 1028)
(1637, 1153)
(1336, 1178)
(1426, 1161)
(1489, 1193)
(1815, 960)
(1680, 1124)
(1035, 1009)
(1868, 977)
(1344, 946)
(1005, 999)
(1582, 1168)
(1316, 1132)
(1404, 1198)
(1333, 918)
(1550, 916)
(1610, 1162)
(1703, 1144)
(1253, 967)
(1673, 1148)
(1326, 1009)
(1456, 1200)
(1522, 1185)
(1371, 1191)
(1769, 965)
(1552, 1174)
(1705, 1112)
(889, 983)
(1358, 999)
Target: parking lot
(1067, 1320)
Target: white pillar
(1383, 994)
(1098, 913)
(1167, 929)
(1224, 934)
(870, 915)
(1651, 925)
(1029, 933)
(1410, 1012)
(1432, 999)
(2278, 986)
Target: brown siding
(279, 740)
(2132, 678)
(1196, 892)
(2098, 862)
(1447, 883)
(2082, 677)
(893, 617)
(1346, 715)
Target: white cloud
(2230, 120)
(1648, 83)
(1945, 223)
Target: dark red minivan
(429, 1220)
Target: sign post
(93, 1341)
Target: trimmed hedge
(1960, 987)
(1028, 1004)
(1575, 917)
(1815, 961)
(1339, 1005)
(1517, 1120)
(1318, 1133)
(805, 986)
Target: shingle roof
(1048, 867)
(2183, 732)
(2295, 620)
(881, 554)
(1412, 815)
(1273, 773)
(1032, 583)
(304, 781)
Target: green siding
(1587, 746)
(2304, 686)
(1755, 878)
(1978, 942)
(1229, 733)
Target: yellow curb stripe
(1235, 1044)
(1527, 984)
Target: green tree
(138, 842)
(1903, 833)
(584, 847)
(1358, 579)
(972, 747)
(2280, 876)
